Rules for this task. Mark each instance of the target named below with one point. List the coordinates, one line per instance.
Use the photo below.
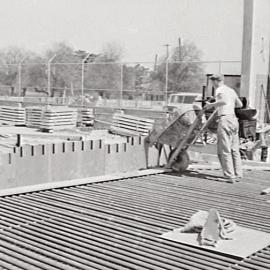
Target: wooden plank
(120, 123)
(131, 117)
(132, 129)
(132, 123)
(124, 132)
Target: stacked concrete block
(34, 116)
(85, 116)
(14, 116)
(55, 118)
(51, 118)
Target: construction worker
(226, 100)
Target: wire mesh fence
(110, 83)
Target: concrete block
(39, 150)
(91, 161)
(27, 150)
(8, 177)
(58, 148)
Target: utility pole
(20, 76)
(49, 75)
(179, 49)
(167, 50)
(156, 59)
(166, 73)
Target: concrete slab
(245, 241)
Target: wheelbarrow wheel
(181, 163)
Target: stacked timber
(85, 116)
(14, 116)
(34, 116)
(55, 118)
(129, 125)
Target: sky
(141, 27)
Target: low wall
(37, 164)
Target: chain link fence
(145, 84)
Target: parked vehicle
(183, 102)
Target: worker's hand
(208, 105)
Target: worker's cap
(217, 77)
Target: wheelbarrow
(177, 135)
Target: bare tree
(112, 52)
(66, 68)
(185, 74)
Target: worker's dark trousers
(228, 146)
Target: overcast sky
(140, 26)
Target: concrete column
(255, 52)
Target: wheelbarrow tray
(174, 132)
(179, 135)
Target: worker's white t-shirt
(229, 96)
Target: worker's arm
(238, 103)
(214, 104)
(220, 102)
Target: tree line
(104, 74)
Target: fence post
(166, 81)
(20, 78)
(82, 83)
(219, 66)
(121, 86)
(49, 75)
